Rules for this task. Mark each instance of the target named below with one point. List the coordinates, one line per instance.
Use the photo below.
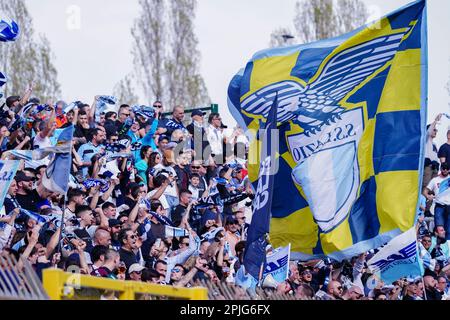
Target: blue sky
(91, 59)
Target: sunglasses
(137, 272)
(155, 106)
(184, 243)
(195, 167)
(176, 270)
(133, 236)
(126, 114)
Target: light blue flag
(56, 177)
(8, 171)
(245, 279)
(278, 264)
(102, 103)
(398, 259)
(38, 154)
(425, 257)
(36, 216)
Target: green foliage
(26, 60)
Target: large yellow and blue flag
(352, 117)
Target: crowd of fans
(155, 200)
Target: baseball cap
(445, 166)
(198, 113)
(163, 137)
(21, 176)
(135, 267)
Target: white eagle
(318, 103)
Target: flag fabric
(90, 183)
(425, 257)
(3, 81)
(8, 169)
(56, 177)
(210, 235)
(36, 216)
(398, 259)
(9, 30)
(352, 126)
(161, 219)
(258, 231)
(278, 264)
(175, 232)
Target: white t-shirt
(429, 152)
(171, 189)
(162, 198)
(215, 139)
(441, 188)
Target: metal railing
(18, 280)
(213, 108)
(228, 291)
(56, 280)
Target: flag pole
(424, 291)
(66, 200)
(62, 226)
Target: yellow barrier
(55, 279)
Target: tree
(281, 37)
(27, 60)
(321, 19)
(186, 86)
(166, 58)
(150, 40)
(124, 91)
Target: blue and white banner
(255, 249)
(102, 103)
(9, 30)
(8, 171)
(427, 261)
(144, 111)
(399, 258)
(175, 232)
(278, 264)
(36, 216)
(210, 235)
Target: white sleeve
(4, 236)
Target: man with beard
(440, 187)
(430, 288)
(115, 226)
(29, 198)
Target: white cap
(135, 267)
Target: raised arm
(91, 117)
